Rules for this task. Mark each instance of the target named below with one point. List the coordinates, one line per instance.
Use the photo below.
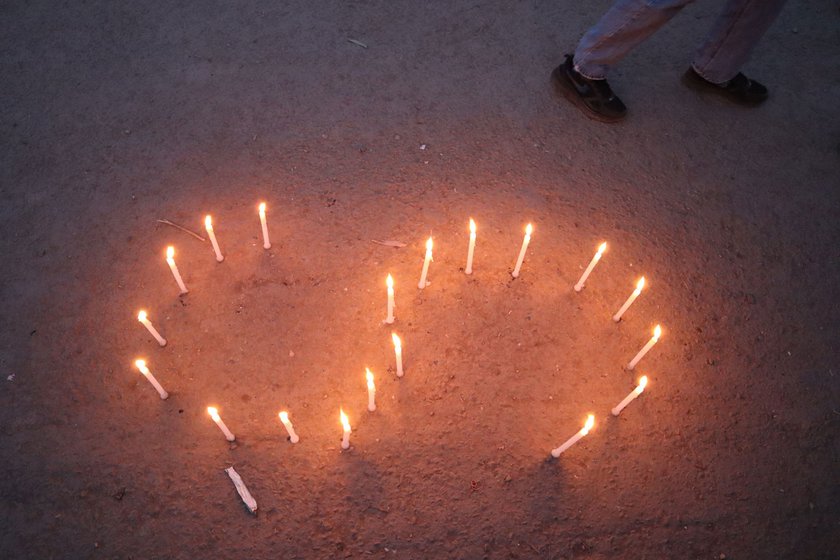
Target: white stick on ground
(246, 496)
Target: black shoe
(593, 97)
(739, 90)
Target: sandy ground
(116, 114)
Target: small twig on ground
(389, 243)
(355, 42)
(182, 228)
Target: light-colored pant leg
(625, 25)
(733, 36)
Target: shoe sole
(563, 87)
(695, 84)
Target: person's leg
(627, 24)
(731, 40)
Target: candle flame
(208, 222)
(141, 364)
(472, 225)
(369, 377)
(389, 281)
(590, 423)
(429, 245)
(602, 248)
(397, 341)
(170, 252)
(529, 229)
(141, 316)
(284, 416)
(345, 422)
(642, 384)
(213, 412)
(657, 332)
(262, 208)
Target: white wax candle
(141, 316)
(371, 390)
(141, 365)
(471, 250)
(639, 285)
(345, 423)
(242, 490)
(214, 414)
(390, 283)
(657, 332)
(208, 225)
(590, 422)
(170, 260)
(284, 417)
(592, 263)
(629, 398)
(423, 283)
(528, 230)
(266, 242)
(398, 353)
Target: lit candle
(422, 284)
(528, 229)
(471, 250)
(657, 332)
(208, 225)
(170, 260)
(284, 417)
(639, 285)
(592, 263)
(141, 365)
(266, 242)
(390, 283)
(214, 414)
(629, 398)
(371, 390)
(345, 423)
(148, 324)
(398, 352)
(590, 422)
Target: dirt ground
(114, 115)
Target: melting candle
(423, 283)
(631, 397)
(398, 353)
(371, 390)
(284, 417)
(390, 283)
(141, 316)
(141, 365)
(266, 242)
(214, 414)
(471, 249)
(208, 225)
(592, 263)
(528, 230)
(345, 423)
(590, 422)
(657, 332)
(170, 260)
(639, 285)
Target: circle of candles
(528, 230)
(141, 316)
(639, 285)
(345, 423)
(657, 332)
(471, 249)
(371, 390)
(590, 422)
(141, 365)
(398, 353)
(629, 398)
(423, 283)
(266, 242)
(214, 414)
(284, 417)
(170, 260)
(208, 225)
(592, 263)
(390, 283)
